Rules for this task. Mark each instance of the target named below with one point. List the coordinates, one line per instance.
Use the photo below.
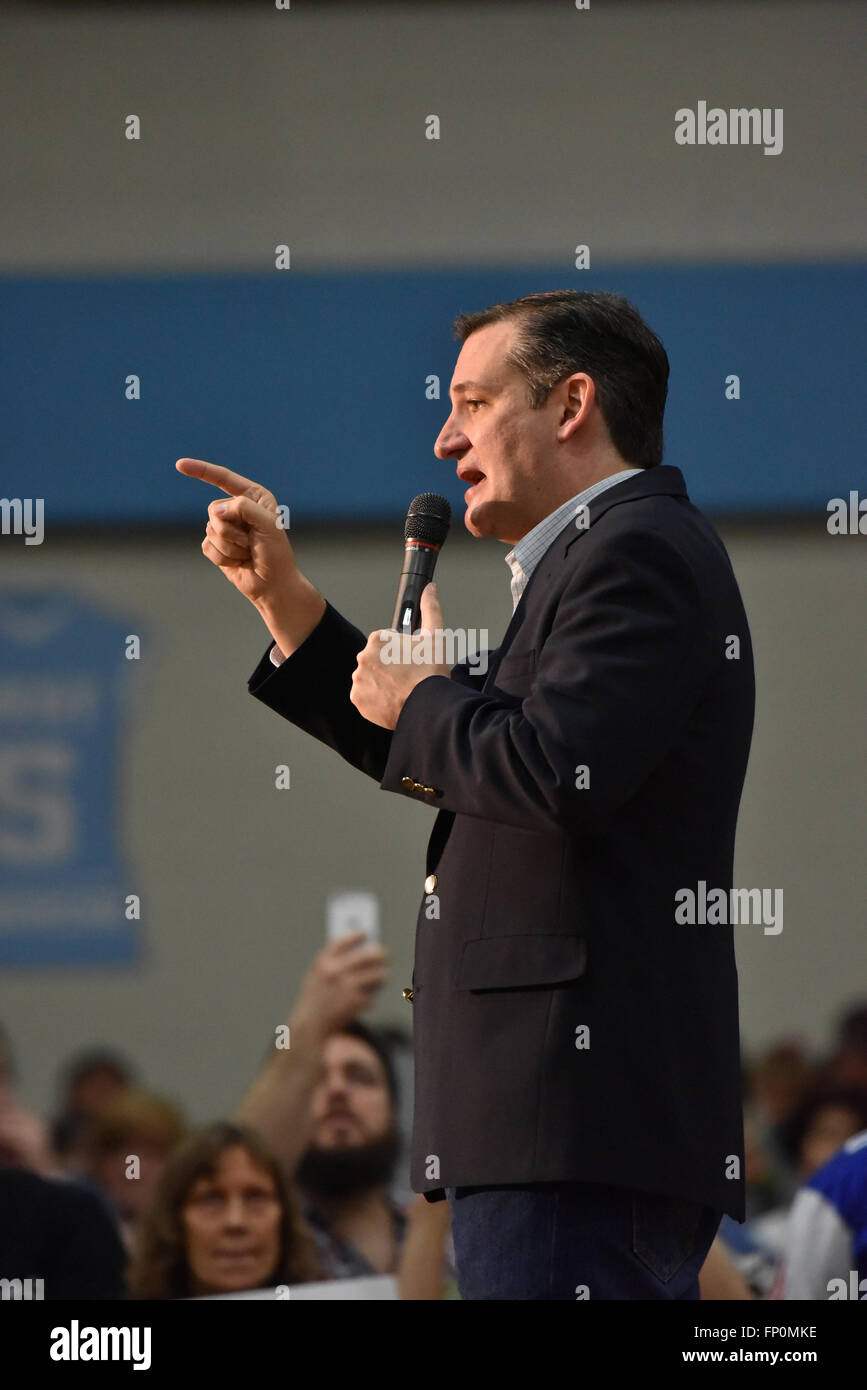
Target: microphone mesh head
(428, 519)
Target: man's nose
(450, 443)
(336, 1088)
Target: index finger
(235, 484)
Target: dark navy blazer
(566, 1026)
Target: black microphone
(427, 525)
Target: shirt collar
(526, 554)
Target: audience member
(90, 1082)
(826, 1256)
(824, 1121)
(223, 1221)
(327, 1104)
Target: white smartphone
(347, 912)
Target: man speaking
(577, 1053)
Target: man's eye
(360, 1076)
(475, 402)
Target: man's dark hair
(852, 1029)
(357, 1029)
(794, 1130)
(96, 1059)
(602, 334)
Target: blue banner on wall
(314, 385)
(63, 882)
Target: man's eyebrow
(473, 385)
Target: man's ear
(580, 395)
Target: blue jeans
(577, 1241)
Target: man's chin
(483, 523)
(477, 521)
(349, 1168)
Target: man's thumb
(431, 612)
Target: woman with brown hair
(223, 1220)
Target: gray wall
(307, 126)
